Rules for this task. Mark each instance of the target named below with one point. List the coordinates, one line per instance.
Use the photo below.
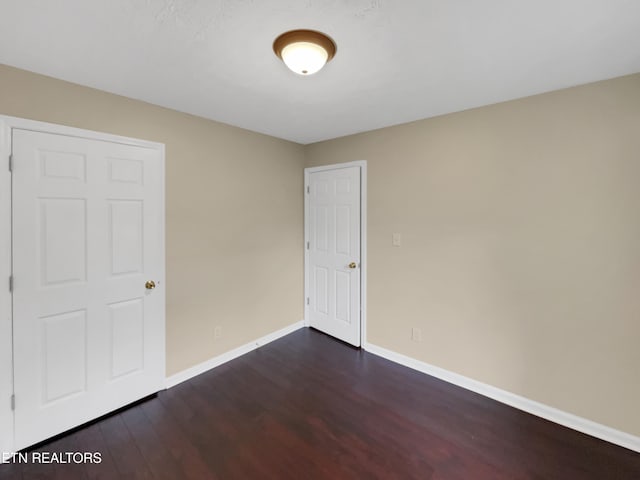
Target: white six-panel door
(334, 251)
(87, 236)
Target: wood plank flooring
(310, 407)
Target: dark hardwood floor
(310, 407)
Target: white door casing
(6, 352)
(334, 259)
(88, 232)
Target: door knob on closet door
(150, 285)
(353, 265)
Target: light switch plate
(397, 240)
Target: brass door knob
(353, 265)
(150, 285)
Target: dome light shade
(304, 51)
(304, 58)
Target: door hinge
(307, 300)
(11, 163)
(13, 402)
(308, 189)
(11, 283)
(307, 245)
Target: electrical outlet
(416, 334)
(396, 239)
(217, 332)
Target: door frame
(7, 124)
(362, 164)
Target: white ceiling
(397, 60)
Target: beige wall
(234, 212)
(520, 259)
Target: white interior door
(333, 268)
(87, 236)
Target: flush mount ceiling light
(304, 51)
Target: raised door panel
(63, 241)
(321, 290)
(64, 355)
(343, 230)
(343, 296)
(126, 170)
(126, 236)
(127, 337)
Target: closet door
(88, 297)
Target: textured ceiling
(397, 60)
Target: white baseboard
(574, 422)
(196, 370)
